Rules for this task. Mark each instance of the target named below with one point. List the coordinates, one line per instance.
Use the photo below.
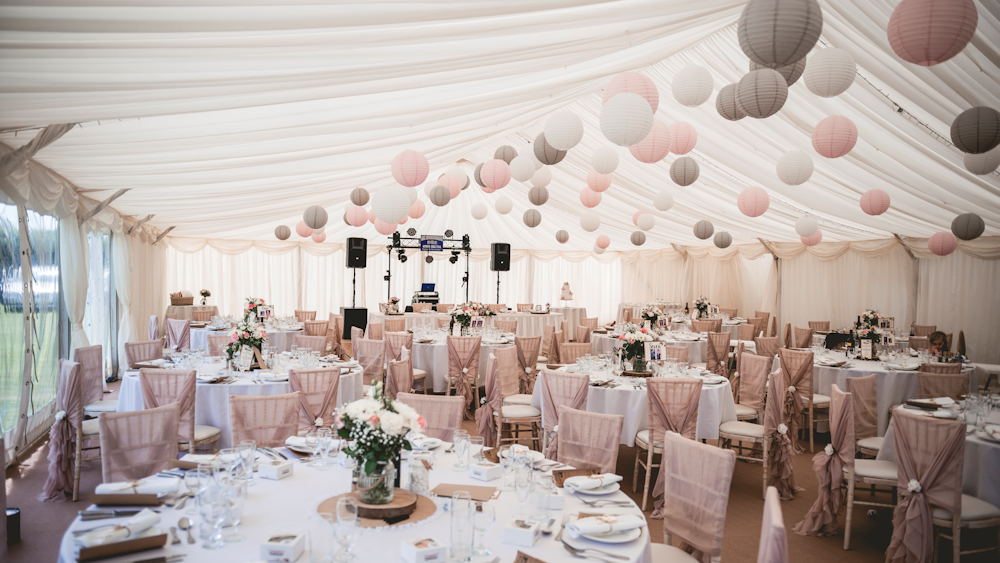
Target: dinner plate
(299, 449)
(600, 491)
(985, 436)
(534, 456)
(623, 536)
(426, 444)
(899, 367)
(275, 378)
(946, 414)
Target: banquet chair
(545, 352)
(773, 547)
(486, 424)
(137, 444)
(317, 390)
(558, 338)
(267, 420)
(443, 415)
(445, 307)
(217, 344)
(335, 335)
(201, 316)
(137, 352)
(701, 325)
(589, 322)
(766, 346)
(524, 307)
(394, 344)
(444, 323)
(751, 386)
(371, 355)
(933, 385)
(759, 325)
(570, 351)
(399, 378)
(167, 386)
(463, 367)
(939, 368)
(154, 327)
(498, 307)
(375, 331)
(765, 315)
(527, 368)
(564, 329)
(729, 312)
(583, 334)
(303, 316)
(512, 418)
(66, 436)
(178, 334)
(803, 337)
(421, 307)
(830, 466)
(787, 341)
(797, 366)
(588, 439)
(91, 360)
(748, 331)
(169, 316)
(509, 327)
(311, 343)
(696, 486)
(559, 388)
(923, 330)
(673, 407)
(818, 326)
(627, 314)
(919, 342)
(316, 328)
(774, 327)
(717, 353)
(679, 353)
(395, 325)
(864, 395)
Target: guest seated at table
(939, 342)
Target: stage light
(453, 259)
(411, 231)
(429, 259)
(386, 277)
(395, 238)
(448, 233)
(402, 258)
(466, 245)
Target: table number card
(655, 351)
(246, 355)
(866, 349)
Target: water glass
(213, 507)
(476, 445)
(507, 465)
(196, 480)
(230, 458)
(982, 413)
(523, 485)
(482, 520)
(248, 453)
(312, 442)
(324, 444)
(542, 493)
(321, 537)
(236, 498)
(460, 443)
(461, 527)
(347, 530)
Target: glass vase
(638, 364)
(377, 487)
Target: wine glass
(476, 444)
(523, 486)
(237, 496)
(482, 520)
(507, 465)
(213, 506)
(325, 442)
(197, 479)
(460, 443)
(347, 529)
(230, 458)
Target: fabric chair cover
(506, 326)
(169, 316)
(717, 352)
(484, 415)
(747, 331)
(421, 307)
(583, 334)
(217, 344)
(524, 307)
(463, 366)
(564, 329)
(773, 546)
(753, 381)
(700, 325)
(443, 415)
(548, 334)
(942, 385)
(356, 334)
(673, 407)
(589, 322)
(734, 378)
(316, 328)
(267, 420)
(781, 472)
(138, 444)
(759, 325)
(444, 307)
(729, 312)
(930, 460)
(395, 325)
(154, 327)
(821, 520)
(375, 331)
(696, 480)
(627, 315)
(394, 344)
(679, 353)
(527, 361)
(161, 387)
(91, 361)
(797, 368)
(400, 377)
(919, 342)
(498, 307)
(179, 334)
(63, 433)
(508, 373)
(303, 316)
(137, 352)
(570, 351)
(864, 396)
(553, 353)
(819, 325)
(371, 355)
(201, 316)
(317, 390)
(311, 343)
(767, 346)
(951, 368)
(803, 337)
(961, 343)
(766, 316)
(787, 338)
(774, 327)
(334, 334)
(923, 330)
(589, 439)
(444, 323)
(560, 388)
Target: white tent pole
(27, 309)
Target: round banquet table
(820, 340)
(573, 315)
(186, 312)
(412, 319)
(212, 399)
(732, 328)
(433, 358)
(282, 339)
(530, 324)
(605, 344)
(715, 407)
(284, 507)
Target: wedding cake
(567, 295)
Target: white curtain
(149, 295)
(121, 245)
(74, 265)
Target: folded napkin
(148, 486)
(588, 482)
(944, 401)
(157, 362)
(604, 524)
(297, 442)
(129, 529)
(200, 458)
(993, 431)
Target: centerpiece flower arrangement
(249, 331)
(868, 325)
(702, 304)
(376, 428)
(651, 313)
(463, 313)
(393, 305)
(633, 348)
(205, 294)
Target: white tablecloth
(282, 339)
(604, 344)
(186, 312)
(412, 319)
(573, 315)
(433, 358)
(212, 400)
(732, 329)
(530, 324)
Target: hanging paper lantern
(495, 174)
(663, 201)
(534, 159)
(589, 198)
(542, 177)
(563, 130)
(976, 130)
(314, 217)
(791, 72)
(646, 222)
(384, 228)
(683, 137)
(282, 232)
(929, 32)
(603, 241)
(723, 239)
(346, 222)
(505, 153)
(635, 217)
(597, 181)
(684, 171)
(562, 236)
(982, 164)
(504, 205)
(410, 168)
(830, 73)
(488, 190)
(522, 168)
(874, 202)
(654, 146)
(834, 136)
(625, 120)
(762, 93)
(604, 160)
(477, 177)
(359, 196)
(727, 105)
(538, 196)
(806, 226)
(638, 238)
(417, 210)
(371, 216)
(532, 218)
(440, 196)
(391, 203)
(598, 250)
(356, 216)
(703, 229)
(546, 153)
(942, 243)
(634, 83)
(968, 226)
(753, 201)
(453, 184)
(692, 85)
(403, 222)
(479, 211)
(320, 230)
(411, 195)
(795, 167)
(457, 172)
(318, 237)
(775, 33)
(813, 240)
(302, 229)
(590, 221)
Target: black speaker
(357, 252)
(500, 257)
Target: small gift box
(556, 499)
(275, 470)
(522, 532)
(485, 471)
(423, 550)
(282, 548)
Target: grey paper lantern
(563, 130)
(546, 153)
(703, 229)
(522, 168)
(775, 33)
(346, 222)
(646, 222)
(281, 232)
(976, 130)
(795, 167)
(982, 164)
(479, 211)
(692, 85)
(968, 226)
(532, 218)
(806, 226)
(762, 93)
(440, 196)
(684, 171)
(542, 177)
(723, 239)
(314, 217)
(638, 238)
(562, 236)
(360, 196)
(727, 105)
(538, 196)
(457, 172)
(505, 153)
(504, 205)
(590, 221)
(391, 204)
(476, 175)
(830, 73)
(598, 249)
(626, 119)
(663, 201)
(604, 160)
(791, 72)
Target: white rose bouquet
(651, 313)
(249, 331)
(377, 427)
(702, 304)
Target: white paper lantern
(795, 167)
(598, 249)
(538, 196)
(440, 196)
(790, 72)
(534, 159)
(282, 232)
(976, 130)
(703, 229)
(638, 238)
(663, 201)
(723, 239)
(412, 195)
(727, 105)
(314, 217)
(505, 153)
(562, 236)
(692, 85)
(457, 172)
(604, 160)
(983, 164)
(360, 196)
(968, 226)
(590, 221)
(646, 222)
(563, 130)
(522, 168)
(391, 204)
(684, 171)
(762, 93)
(479, 211)
(320, 230)
(626, 119)
(830, 73)
(806, 226)
(542, 177)
(777, 33)
(504, 205)
(532, 218)
(546, 153)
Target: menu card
(866, 349)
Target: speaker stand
(354, 290)
(498, 287)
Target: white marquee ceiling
(228, 120)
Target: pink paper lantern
(683, 137)
(942, 243)
(417, 209)
(589, 197)
(495, 174)
(929, 32)
(357, 216)
(635, 217)
(813, 240)
(384, 228)
(452, 183)
(753, 201)
(834, 136)
(302, 229)
(603, 241)
(371, 216)
(319, 237)
(597, 181)
(634, 83)
(655, 146)
(488, 190)
(874, 202)
(410, 168)
(403, 222)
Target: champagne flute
(237, 496)
(523, 486)
(482, 521)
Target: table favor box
(282, 548)
(424, 550)
(556, 500)
(485, 471)
(522, 532)
(275, 470)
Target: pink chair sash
(781, 472)
(267, 420)
(317, 395)
(773, 543)
(356, 334)
(63, 433)
(137, 444)
(527, 361)
(753, 381)
(162, 387)
(589, 439)
(767, 346)
(91, 361)
(443, 415)
(797, 369)
(759, 325)
(484, 415)
(154, 327)
(864, 395)
(788, 336)
(559, 389)
(463, 366)
(763, 315)
(334, 333)
(583, 334)
(179, 333)
(803, 337)
(371, 355)
(548, 331)
(137, 352)
(717, 350)
(395, 342)
(734, 378)
(673, 407)
(400, 379)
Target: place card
(560, 475)
(478, 493)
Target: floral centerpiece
(463, 313)
(205, 294)
(249, 331)
(376, 429)
(393, 305)
(633, 345)
(702, 304)
(651, 313)
(868, 325)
